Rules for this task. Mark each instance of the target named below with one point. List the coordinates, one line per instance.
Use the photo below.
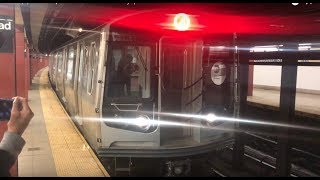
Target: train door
(79, 114)
(181, 85)
(218, 91)
(218, 86)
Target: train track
(304, 151)
(256, 163)
(299, 157)
(260, 159)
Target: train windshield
(129, 71)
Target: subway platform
(54, 146)
(306, 104)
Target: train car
(137, 93)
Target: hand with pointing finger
(21, 115)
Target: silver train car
(142, 94)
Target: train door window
(129, 70)
(70, 64)
(91, 69)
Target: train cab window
(71, 57)
(129, 71)
(93, 58)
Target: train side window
(71, 57)
(85, 66)
(95, 63)
(91, 69)
(50, 63)
(81, 63)
(65, 62)
(54, 62)
(60, 61)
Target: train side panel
(88, 86)
(76, 83)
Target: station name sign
(6, 34)
(266, 60)
(5, 25)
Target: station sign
(265, 60)
(6, 34)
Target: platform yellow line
(71, 153)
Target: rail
(304, 154)
(270, 161)
(294, 149)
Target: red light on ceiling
(182, 22)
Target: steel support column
(287, 108)
(238, 150)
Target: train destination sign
(122, 37)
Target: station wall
(308, 78)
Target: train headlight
(143, 122)
(181, 22)
(211, 117)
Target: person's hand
(21, 115)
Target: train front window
(129, 72)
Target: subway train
(148, 93)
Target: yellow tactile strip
(71, 153)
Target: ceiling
(48, 25)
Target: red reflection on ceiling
(202, 22)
